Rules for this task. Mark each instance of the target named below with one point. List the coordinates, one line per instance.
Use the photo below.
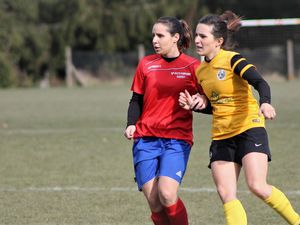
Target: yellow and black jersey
(225, 80)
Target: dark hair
(224, 26)
(178, 26)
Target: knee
(154, 203)
(167, 197)
(259, 189)
(226, 194)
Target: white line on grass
(116, 189)
(53, 189)
(59, 130)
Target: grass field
(64, 160)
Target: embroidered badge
(221, 75)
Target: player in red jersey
(161, 129)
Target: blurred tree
(34, 34)
(37, 32)
(6, 76)
(23, 41)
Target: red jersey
(160, 82)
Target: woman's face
(206, 44)
(163, 42)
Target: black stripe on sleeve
(240, 66)
(235, 58)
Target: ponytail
(233, 22)
(186, 36)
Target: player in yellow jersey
(238, 130)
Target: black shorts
(235, 148)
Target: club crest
(221, 75)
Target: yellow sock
(235, 213)
(278, 201)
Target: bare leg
(225, 175)
(256, 169)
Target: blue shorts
(155, 157)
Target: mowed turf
(64, 160)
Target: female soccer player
(161, 129)
(238, 129)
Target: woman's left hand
(267, 110)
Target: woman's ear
(219, 42)
(176, 37)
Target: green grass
(64, 160)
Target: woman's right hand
(183, 100)
(129, 132)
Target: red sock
(177, 213)
(160, 218)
